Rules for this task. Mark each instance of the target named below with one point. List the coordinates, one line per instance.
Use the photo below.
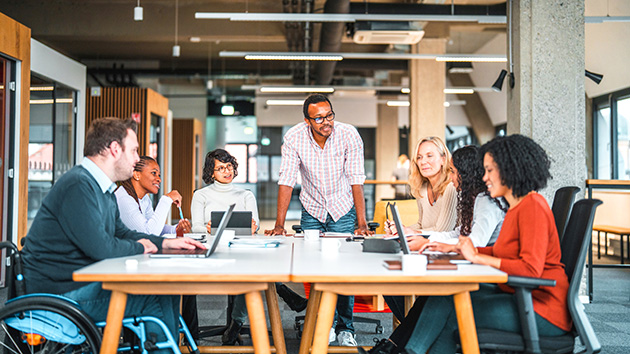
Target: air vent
(386, 33)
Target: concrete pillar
(547, 102)
(386, 147)
(427, 79)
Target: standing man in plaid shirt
(329, 158)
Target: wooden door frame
(17, 45)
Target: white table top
(226, 264)
(350, 264)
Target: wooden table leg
(325, 317)
(115, 314)
(466, 323)
(309, 321)
(258, 322)
(275, 319)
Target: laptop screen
(399, 227)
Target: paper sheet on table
(188, 262)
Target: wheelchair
(47, 323)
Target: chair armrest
(528, 282)
(523, 287)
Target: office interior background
(69, 54)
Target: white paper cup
(311, 235)
(414, 264)
(227, 236)
(330, 246)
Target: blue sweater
(77, 225)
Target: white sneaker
(332, 336)
(346, 339)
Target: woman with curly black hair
(480, 218)
(528, 245)
(219, 171)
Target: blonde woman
(430, 182)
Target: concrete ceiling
(102, 33)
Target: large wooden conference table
(351, 272)
(250, 271)
(228, 271)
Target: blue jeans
(345, 304)
(493, 309)
(95, 302)
(239, 309)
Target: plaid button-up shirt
(328, 173)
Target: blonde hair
(416, 180)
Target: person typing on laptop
(219, 171)
(79, 224)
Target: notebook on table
(198, 252)
(240, 222)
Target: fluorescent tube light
(398, 103)
(42, 88)
(292, 57)
(51, 101)
(346, 55)
(284, 102)
(602, 19)
(472, 58)
(465, 91)
(289, 89)
(302, 17)
(405, 90)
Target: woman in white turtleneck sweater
(219, 171)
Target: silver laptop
(198, 252)
(240, 222)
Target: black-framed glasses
(224, 169)
(319, 120)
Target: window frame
(608, 100)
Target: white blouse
(143, 218)
(485, 228)
(218, 197)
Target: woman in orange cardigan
(528, 245)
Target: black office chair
(574, 247)
(562, 206)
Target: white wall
(50, 64)
(484, 75)
(607, 48)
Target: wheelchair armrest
(372, 226)
(529, 282)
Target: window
(51, 147)
(611, 136)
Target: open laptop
(399, 227)
(240, 222)
(198, 252)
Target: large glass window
(51, 147)
(611, 128)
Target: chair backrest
(561, 207)
(575, 245)
(407, 209)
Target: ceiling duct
(370, 32)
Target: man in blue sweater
(79, 224)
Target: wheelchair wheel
(46, 324)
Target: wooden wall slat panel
(184, 169)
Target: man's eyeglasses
(224, 169)
(319, 120)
